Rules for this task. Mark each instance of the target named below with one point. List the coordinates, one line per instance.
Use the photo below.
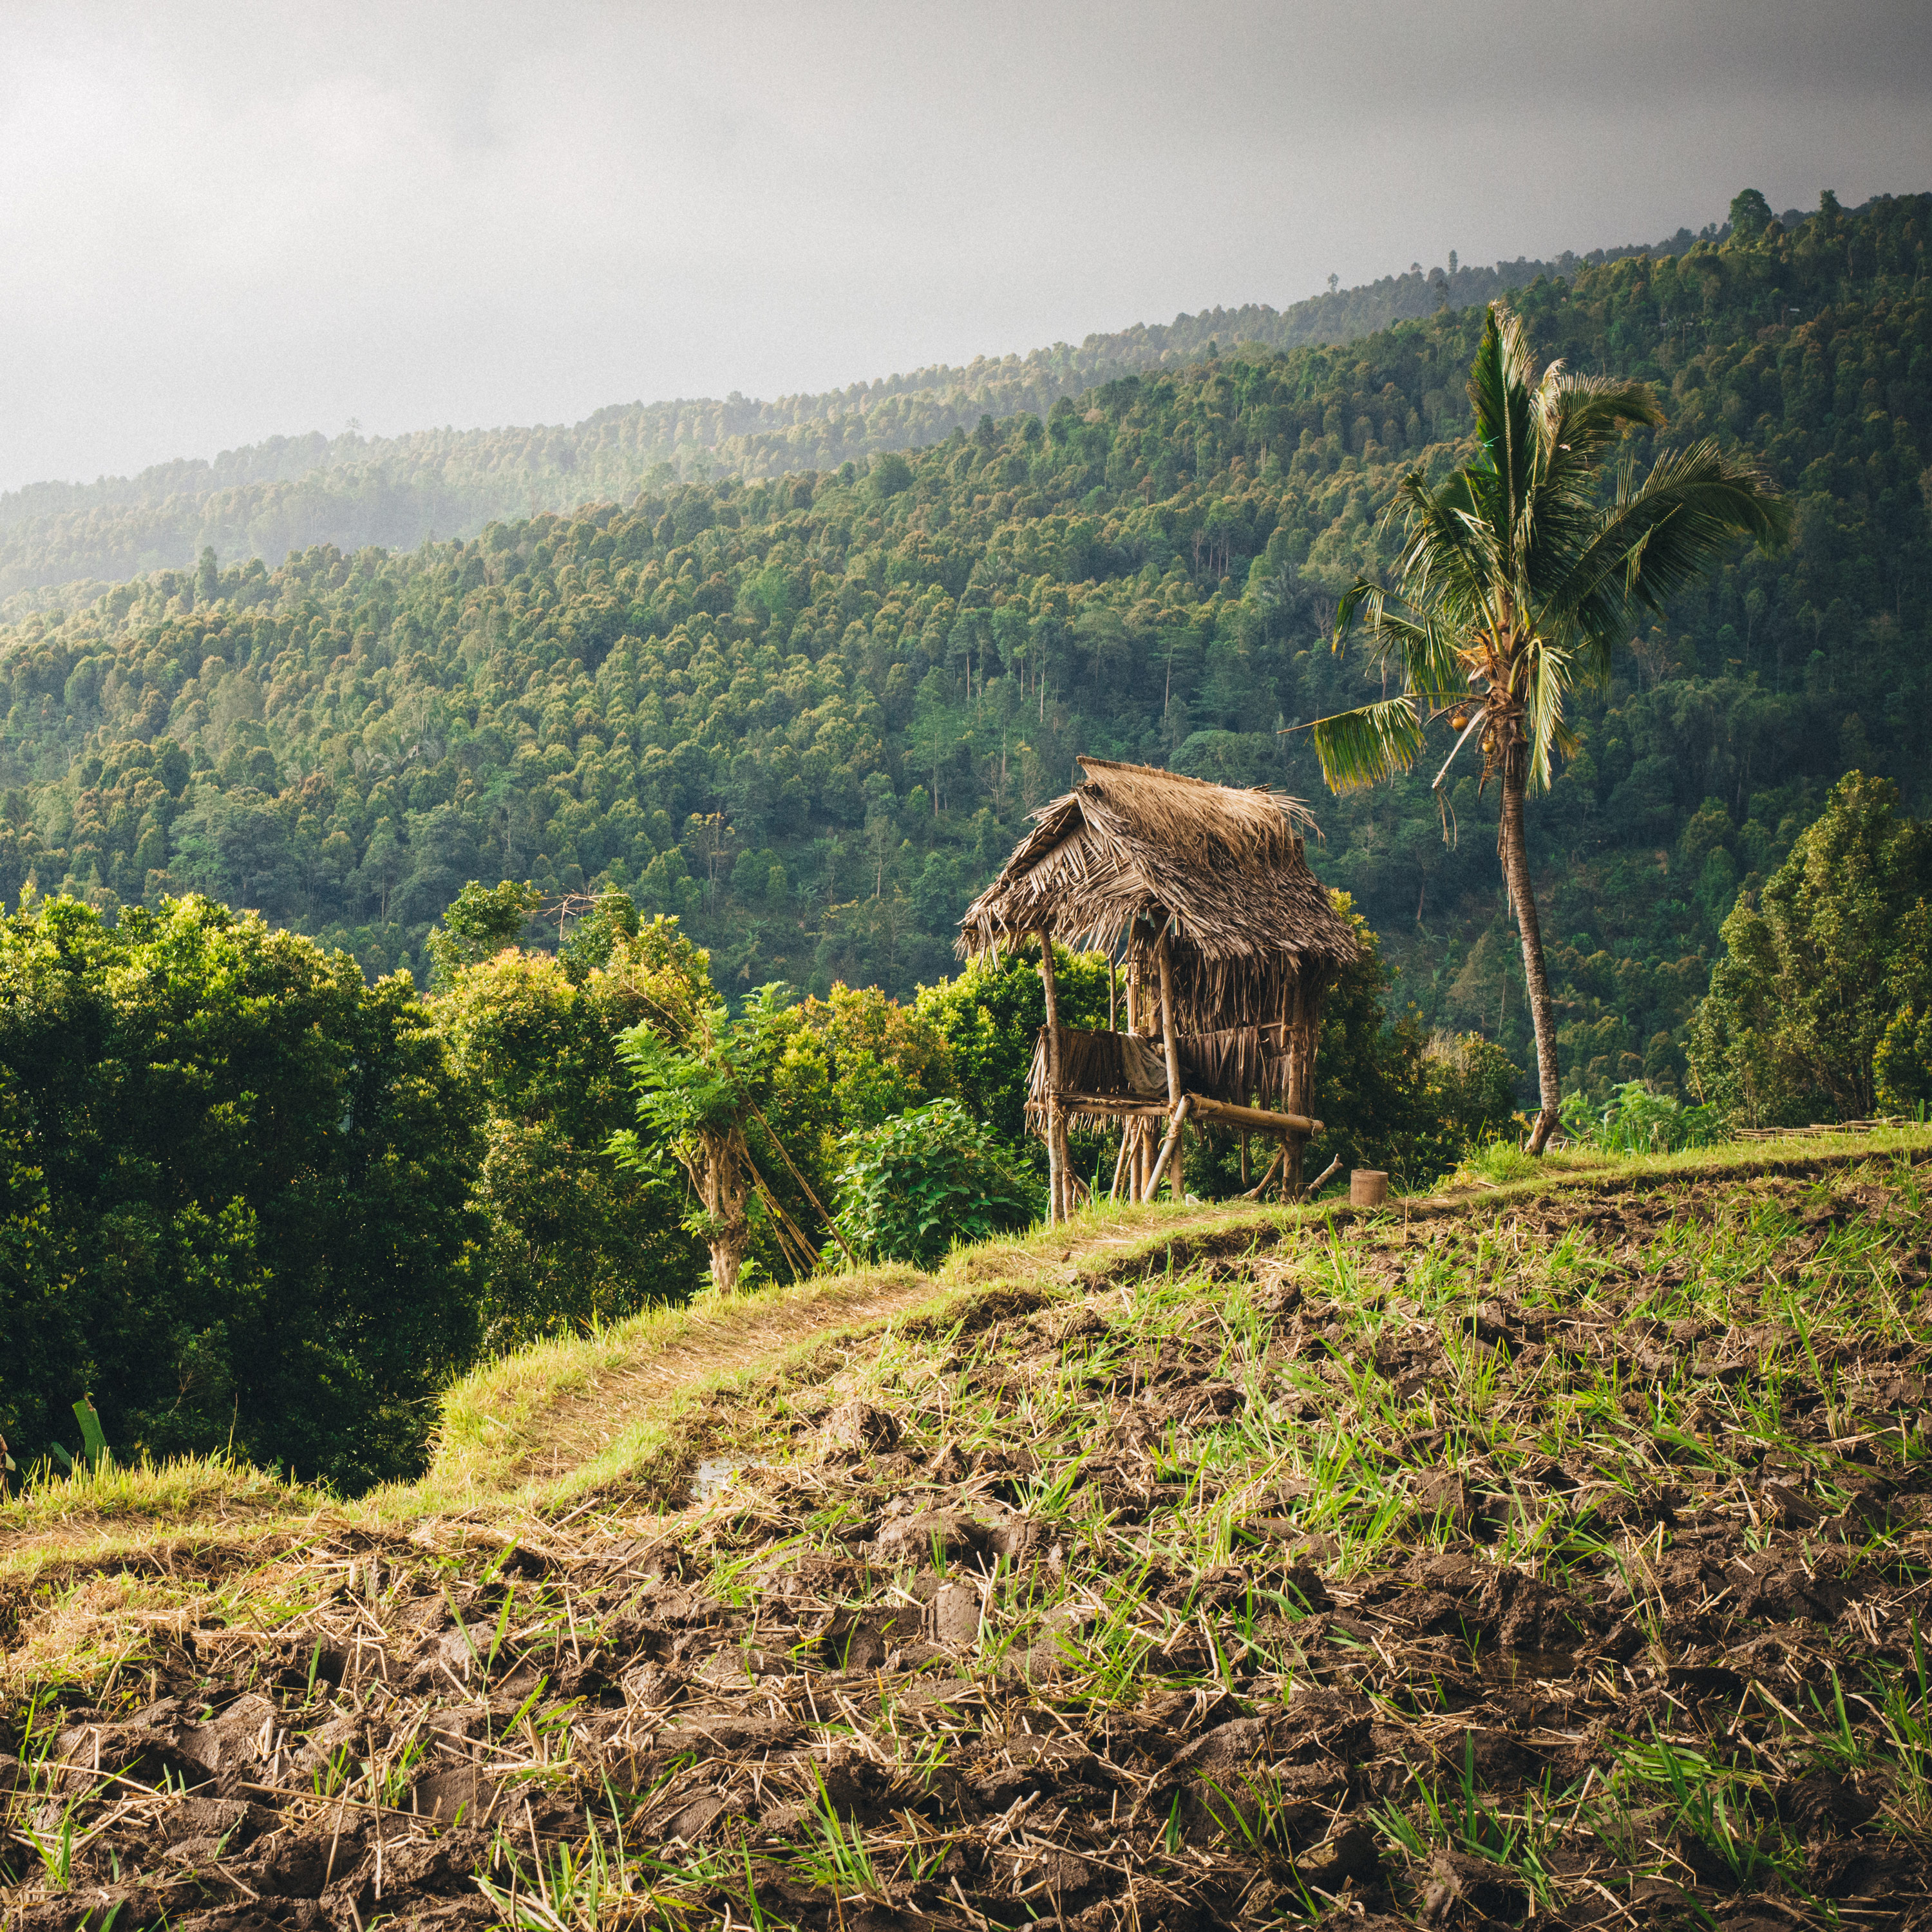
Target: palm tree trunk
(1542, 1013)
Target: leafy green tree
(478, 923)
(235, 1180)
(611, 925)
(1821, 1003)
(990, 1015)
(920, 1183)
(850, 1061)
(1750, 215)
(572, 1235)
(1514, 583)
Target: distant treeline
(288, 494)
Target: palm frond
(1363, 747)
(1450, 563)
(1586, 415)
(1658, 537)
(1417, 639)
(1499, 392)
(1552, 671)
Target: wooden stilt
(1170, 1041)
(1055, 1158)
(1167, 1147)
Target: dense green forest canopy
(291, 493)
(807, 712)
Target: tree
(478, 924)
(990, 1015)
(1514, 583)
(1822, 1002)
(1750, 215)
(573, 1236)
(234, 1185)
(700, 1076)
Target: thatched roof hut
(1227, 939)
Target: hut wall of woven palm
(1131, 852)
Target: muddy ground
(1565, 1565)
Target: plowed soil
(1562, 1565)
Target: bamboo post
(1167, 1036)
(804, 1183)
(1167, 1147)
(1172, 1045)
(1055, 1166)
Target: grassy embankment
(1542, 1544)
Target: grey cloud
(225, 222)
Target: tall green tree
(235, 1184)
(1822, 1003)
(572, 1236)
(478, 923)
(1515, 581)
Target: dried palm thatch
(1132, 853)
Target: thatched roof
(1131, 851)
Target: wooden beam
(1077, 1102)
(1261, 1118)
(1167, 1033)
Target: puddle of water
(712, 1478)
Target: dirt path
(587, 1418)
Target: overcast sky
(220, 223)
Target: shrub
(1639, 1121)
(915, 1185)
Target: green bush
(1639, 1121)
(916, 1185)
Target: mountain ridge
(65, 543)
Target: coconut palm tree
(1516, 580)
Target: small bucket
(1368, 1187)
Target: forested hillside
(291, 493)
(807, 712)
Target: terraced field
(1561, 1560)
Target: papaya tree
(700, 1077)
